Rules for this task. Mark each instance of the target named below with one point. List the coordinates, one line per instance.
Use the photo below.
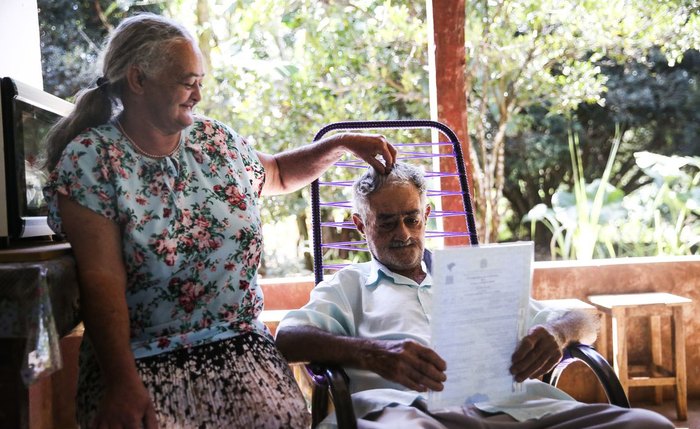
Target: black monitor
(27, 115)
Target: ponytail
(93, 107)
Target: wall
(19, 42)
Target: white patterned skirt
(240, 382)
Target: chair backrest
(333, 250)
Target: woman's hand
(369, 147)
(96, 244)
(295, 168)
(126, 405)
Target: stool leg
(603, 348)
(679, 363)
(656, 355)
(619, 343)
(602, 341)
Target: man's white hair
(372, 181)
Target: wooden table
(617, 310)
(38, 306)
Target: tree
(72, 33)
(544, 56)
(657, 106)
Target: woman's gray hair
(144, 40)
(372, 181)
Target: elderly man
(373, 319)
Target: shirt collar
(379, 271)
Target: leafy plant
(579, 218)
(664, 214)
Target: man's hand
(406, 362)
(536, 354)
(402, 361)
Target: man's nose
(402, 232)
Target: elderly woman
(161, 208)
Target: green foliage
(282, 70)
(664, 215)
(529, 60)
(658, 106)
(72, 33)
(580, 219)
(598, 220)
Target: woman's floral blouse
(190, 224)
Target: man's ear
(358, 222)
(427, 211)
(134, 79)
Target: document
(480, 304)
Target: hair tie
(102, 81)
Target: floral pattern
(191, 232)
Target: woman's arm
(96, 245)
(295, 168)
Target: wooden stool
(618, 308)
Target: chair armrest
(333, 379)
(600, 367)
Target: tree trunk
(205, 36)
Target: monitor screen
(28, 114)
(33, 125)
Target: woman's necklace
(140, 150)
